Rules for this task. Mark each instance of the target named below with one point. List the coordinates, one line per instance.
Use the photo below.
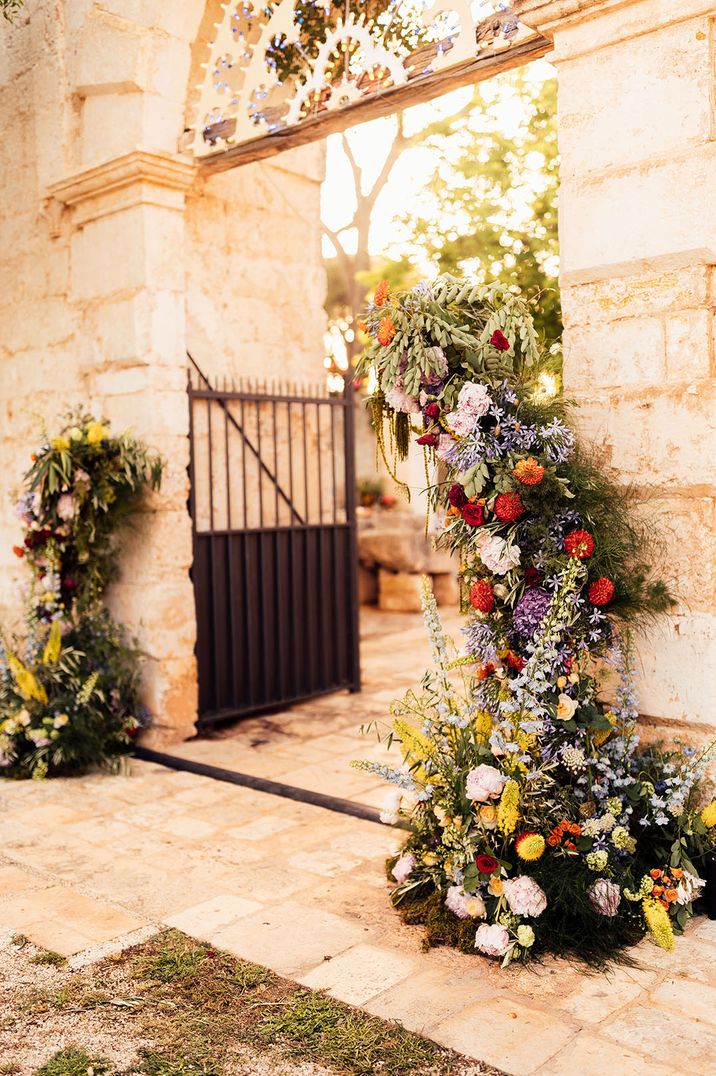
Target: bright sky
(371, 141)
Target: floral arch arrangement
(537, 821)
(69, 692)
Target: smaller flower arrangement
(69, 691)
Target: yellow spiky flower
(483, 726)
(27, 683)
(414, 742)
(53, 646)
(708, 815)
(508, 813)
(659, 923)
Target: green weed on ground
(74, 1062)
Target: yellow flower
(659, 923)
(508, 808)
(530, 847)
(483, 726)
(27, 683)
(708, 815)
(430, 859)
(60, 444)
(602, 735)
(53, 646)
(565, 707)
(96, 432)
(60, 721)
(495, 885)
(488, 815)
(415, 744)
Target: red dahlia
(500, 341)
(508, 507)
(432, 410)
(473, 514)
(429, 439)
(533, 577)
(486, 864)
(482, 596)
(579, 544)
(457, 495)
(601, 591)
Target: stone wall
(638, 243)
(114, 259)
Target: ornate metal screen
(274, 70)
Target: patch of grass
(174, 961)
(317, 1028)
(73, 1062)
(20, 940)
(78, 993)
(48, 957)
(155, 1064)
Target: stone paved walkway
(90, 865)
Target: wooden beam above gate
(282, 73)
(385, 103)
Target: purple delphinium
(530, 611)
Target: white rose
(565, 708)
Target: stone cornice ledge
(139, 177)
(546, 15)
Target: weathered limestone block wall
(98, 255)
(638, 243)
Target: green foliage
(10, 8)
(73, 1062)
(69, 693)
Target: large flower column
(638, 242)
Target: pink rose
(524, 896)
(492, 939)
(403, 868)
(484, 783)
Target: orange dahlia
(382, 292)
(386, 331)
(529, 472)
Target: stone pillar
(127, 276)
(638, 241)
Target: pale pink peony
(403, 868)
(484, 783)
(492, 939)
(524, 896)
(474, 397)
(496, 554)
(399, 400)
(464, 905)
(604, 896)
(461, 422)
(66, 506)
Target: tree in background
(489, 207)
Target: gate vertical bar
(352, 522)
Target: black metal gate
(275, 557)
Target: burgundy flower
(457, 495)
(500, 341)
(473, 514)
(430, 439)
(433, 410)
(486, 864)
(533, 577)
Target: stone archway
(105, 211)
